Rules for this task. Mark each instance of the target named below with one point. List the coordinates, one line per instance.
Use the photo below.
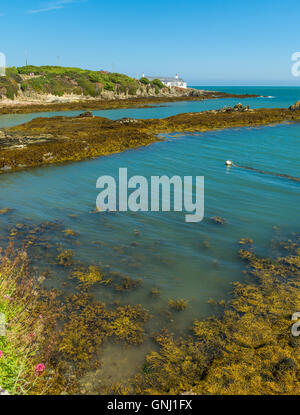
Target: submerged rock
(178, 305)
(217, 220)
(4, 211)
(155, 292)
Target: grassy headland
(54, 88)
(57, 81)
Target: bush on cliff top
(59, 80)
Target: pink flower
(32, 334)
(39, 368)
(1, 354)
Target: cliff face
(32, 97)
(56, 84)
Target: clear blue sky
(207, 42)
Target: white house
(176, 81)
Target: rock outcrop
(237, 107)
(295, 107)
(60, 139)
(86, 114)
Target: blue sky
(217, 42)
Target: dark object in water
(286, 176)
(217, 220)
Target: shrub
(9, 86)
(88, 87)
(59, 80)
(108, 85)
(21, 371)
(157, 83)
(145, 81)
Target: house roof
(165, 79)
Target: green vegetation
(8, 87)
(28, 320)
(158, 83)
(145, 81)
(57, 80)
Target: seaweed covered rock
(217, 220)
(61, 139)
(295, 106)
(86, 114)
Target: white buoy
(228, 163)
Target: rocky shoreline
(72, 103)
(60, 139)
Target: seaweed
(247, 348)
(65, 258)
(127, 283)
(62, 139)
(178, 305)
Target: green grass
(57, 80)
(25, 325)
(12, 363)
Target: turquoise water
(191, 261)
(276, 97)
(195, 261)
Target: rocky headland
(49, 88)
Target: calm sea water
(270, 97)
(191, 261)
